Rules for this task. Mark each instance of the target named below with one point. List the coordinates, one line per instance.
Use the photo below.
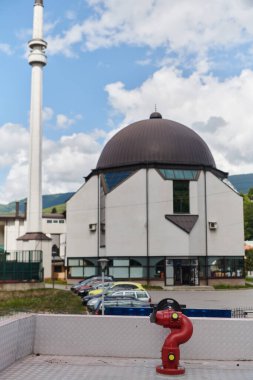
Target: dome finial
(155, 115)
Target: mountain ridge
(49, 200)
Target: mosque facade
(157, 207)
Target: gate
(18, 266)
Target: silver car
(141, 295)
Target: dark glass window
(170, 174)
(181, 203)
(156, 269)
(113, 179)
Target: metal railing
(18, 266)
(242, 312)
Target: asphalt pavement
(207, 299)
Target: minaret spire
(37, 59)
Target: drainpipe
(147, 224)
(98, 217)
(17, 209)
(206, 231)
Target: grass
(58, 281)
(152, 287)
(40, 301)
(59, 209)
(232, 287)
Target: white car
(141, 295)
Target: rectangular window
(181, 199)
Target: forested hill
(242, 182)
(47, 201)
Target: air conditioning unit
(213, 225)
(92, 227)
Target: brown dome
(155, 141)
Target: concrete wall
(130, 337)
(214, 339)
(82, 211)
(17, 339)
(225, 207)
(126, 219)
(164, 237)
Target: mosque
(158, 208)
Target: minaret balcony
(37, 56)
(37, 42)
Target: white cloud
(69, 161)
(13, 140)
(70, 15)
(220, 111)
(47, 114)
(192, 26)
(49, 26)
(65, 161)
(6, 49)
(63, 122)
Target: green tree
(249, 260)
(54, 210)
(248, 218)
(250, 193)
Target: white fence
(213, 339)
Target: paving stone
(46, 367)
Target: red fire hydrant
(181, 331)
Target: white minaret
(34, 238)
(37, 59)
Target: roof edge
(156, 165)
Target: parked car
(81, 282)
(85, 291)
(116, 302)
(120, 285)
(89, 282)
(141, 295)
(94, 302)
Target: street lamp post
(103, 263)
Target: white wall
(74, 335)
(55, 227)
(164, 237)
(225, 207)
(126, 217)
(130, 337)
(82, 211)
(197, 237)
(13, 229)
(17, 339)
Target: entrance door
(182, 272)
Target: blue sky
(109, 63)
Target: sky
(109, 63)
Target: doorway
(182, 272)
